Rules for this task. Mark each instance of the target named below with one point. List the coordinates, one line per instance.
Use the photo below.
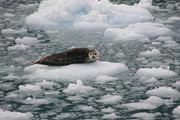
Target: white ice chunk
(102, 79)
(148, 80)
(146, 4)
(45, 84)
(34, 101)
(8, 115)
(110, 99)
(78, 88)
(151, 103)
(165, 92)
(177, 84)
(10, 77)
(30, 89)
(88, 14)
(154, 52)
(176, 111)
(155, 72)
(110, 116)
(27, 41)
(10, 31)
(18, 47)
(75, 71)
(86, 108)
(174, 19)
(146, 116)
(136, 32)
(107, 110)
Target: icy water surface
(149, 89)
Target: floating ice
(176, 111)
(174, 19)
(27, 41)
(8, 115)
(110, 99)
(78, 88)
(29, 89)
(45, 84)
(148, 80)
(165, 92)
(151, 103)
(86, 108)
(102, 79)
(34, 101)
(154, 52)
(107, 110)
(110, 116)
(10, 32)
(177, 84)
(10, 77)
(146, 116)
(88, 14)
(136, 32)
(18, 47)
(155, 72)
(75, 71)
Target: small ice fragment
(29, 88)
(27, 41)
(165, 92)
(10, 32)
(146, 116)
(86, 108)
(8, 115)
(110, 116)
(154, 52)
(177, 84)
(110, 99)
(45, 84)
(78, 88)
(107, 110)
(34, 101)
(10, 77)
(176, 111)
(18, 47)
(155, 72)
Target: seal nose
(93, 57)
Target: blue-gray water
(128, 85)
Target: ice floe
(155, 72)
(74, 71)
(78, 88)
(136, 32)
(110, 99)
(146, 116)
(18, 47)
(154, 52)
(110, 116)
(165, 92)
(88, 14)
(27, 41)
(45, 84)
(108, 110)
(176, 111)
(8, 115)
(151, 103)
(10, 32)
(34, 101)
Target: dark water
(13, 62)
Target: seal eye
(95, 53)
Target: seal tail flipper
(36, 61)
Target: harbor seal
(71, 56)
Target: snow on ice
(88, 14)
(74, 71)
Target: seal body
(71, 56)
